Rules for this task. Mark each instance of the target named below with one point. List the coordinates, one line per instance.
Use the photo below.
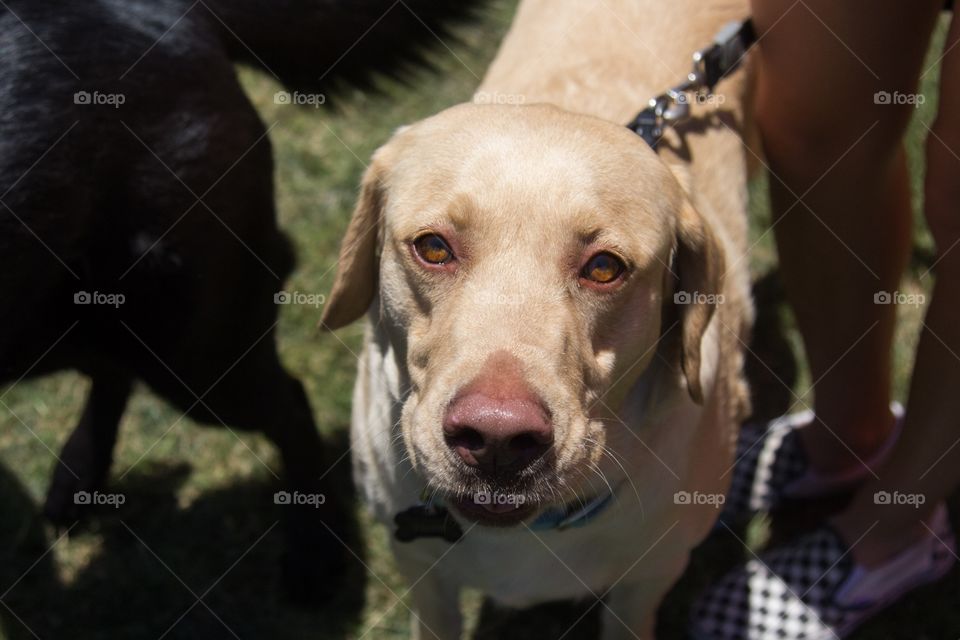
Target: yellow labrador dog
(555, 316)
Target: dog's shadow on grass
(28, 579)
(156, 568)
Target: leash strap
(723, 57)
(710, 66)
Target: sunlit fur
(644, 394)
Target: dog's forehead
(531, 161)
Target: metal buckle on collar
(661, 112)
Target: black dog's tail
(313, 44)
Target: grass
(188, 529)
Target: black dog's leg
(314, 556)
(86, 457)
(259, 394)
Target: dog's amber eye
(433, 249)
(603, 268)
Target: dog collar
(430, 519)
(572, 515)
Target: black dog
(137, 222)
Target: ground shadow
(152, 560)
(771, 365)
(569, 620)
(28, 579)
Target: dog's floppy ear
(699, 266)
(359, 262)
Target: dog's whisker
(599, 473)
(615, 457)
(581, 498)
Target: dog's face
(523, 258)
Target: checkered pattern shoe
(771, 465)
(813, 590)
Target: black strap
(710, 66)
(724, 56)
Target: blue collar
(572, 515)
(430, 519)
